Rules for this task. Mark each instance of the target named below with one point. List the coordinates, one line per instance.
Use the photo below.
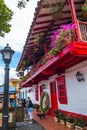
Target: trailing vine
(44, 102)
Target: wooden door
(54, 103)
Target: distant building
(16, 83)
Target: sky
(21, 21)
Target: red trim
(74, 114)
(54, 102)
(73, 54)
(74, 19)
(70, 113)
(79, 48)
(41, 90)
(62, 94)
(36, 93)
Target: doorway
(53, 92)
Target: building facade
(58, 69)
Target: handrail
(82, 22)
(83, 34)
(83, 30)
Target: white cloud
(22, 19)
(12, 74)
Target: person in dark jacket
(30, 109)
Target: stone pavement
(26, 126)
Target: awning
(11, 90)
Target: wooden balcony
(83, 30)
(72, 54)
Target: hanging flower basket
(54, 6)
(85, 14)
(84, 9)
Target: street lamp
(6, 56)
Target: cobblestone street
(26, 126)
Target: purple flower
(68, 27)
(62, 33)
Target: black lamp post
(6, 56)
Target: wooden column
(74, 19)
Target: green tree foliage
(22, 3)
(5, 17)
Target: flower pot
(57, 16)
(80, 128)
(85, 14)
(70, 125)
(62, 122)
(55, 119)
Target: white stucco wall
(76, 91)
(29, 94)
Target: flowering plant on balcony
(61, 38)
(46, 58)
(38, 42)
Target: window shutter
(62, 95)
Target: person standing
(25, 108)
(30, 109)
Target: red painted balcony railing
(83, 33)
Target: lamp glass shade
(7, 54)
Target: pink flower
(50, 56)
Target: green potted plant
(62, 118)
(70, 121)
(56, 115)
(38, 38)
(38, 42)
(80, 123)
(55, 7)
(84, 9)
